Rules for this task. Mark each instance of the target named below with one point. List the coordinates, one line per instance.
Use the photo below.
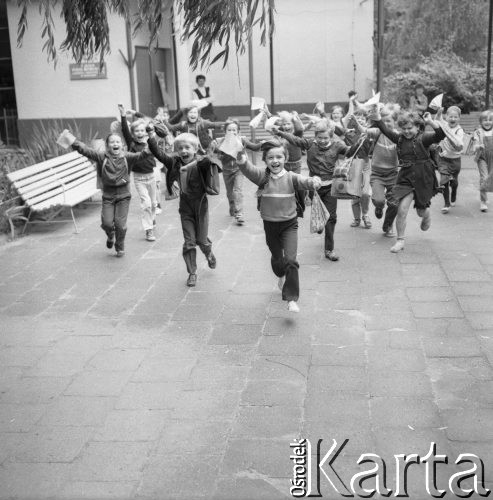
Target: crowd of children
(408, 156)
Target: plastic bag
(175, 189)
(319, 215)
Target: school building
(320, 50)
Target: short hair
(337, 108)
(407, 117)
(360, 112)
(485, 114)
(351, 93)
(285, 116)
(454, 108)
(419, 86)
(199, 77)
(323, 126)
(138, 114)
(107, 140)
(231, 121)
(137, 123)
(272, 143)
(188, 138)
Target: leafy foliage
(208, 23)
(442, 71)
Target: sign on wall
(88, 71)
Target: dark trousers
(450, 191)
(194, 215)
(330, 203)
(282, 240)
(114, 215)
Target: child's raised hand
(241, 158)
(317, 182)
(121, 108)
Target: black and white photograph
(246, 249)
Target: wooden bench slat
(52, 172)
(40, 167)
(46, 195)
(50, 183)
(69, 198)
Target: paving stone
(479, 424)
(273, 393)
(210, 405)
(231, 334)
(118, 359)
(453, 347)
(344, 355)
(441, 309)
(149, 395)
(122, 490)
(243, 316)
(20, 417)
(132, 425)
(327, 407)
(35, 390)
(287, 368)
(226, 355)
(480, 320)
(98, 383)
(383, 361)
(476, 304)
(475, 288)
(20, 356)
(338, 378)
(222, 377)
(51, 444)
(164, 369)
(284, 345)
(77, 411)
(267, 422)
(399, 384)
(432, 294)
(402, 412)
(110, 461)
(252, 486)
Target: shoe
(110, 241)
(366, 221)
(293, 307)
(154, 222)
(150, 235)
(120, 253)
(231, 211)
(331, 255)
(192, 280)
(445, 210)
(389, 233)
(355, 223)
(484, 207)
(280, 282)
(159, 210)
(452, 203)
(240, 220)
(378, 212)
(426, 222)
(211, 260)
(398, 246)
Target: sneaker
(159, 210)
(240, 220)
(120, 253)
(211, 260)
(378, 212)
(331, 255)
(389, 233)
(484, 207)
(293, 307)
(398, 246)
(150, 235)
(426, 222)
(355, 223)
(366, 221)
(192, 280)
(445, 210)
(280, 282)
(452, 203)
(110, 241)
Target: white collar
(279, 175)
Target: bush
(462, 83)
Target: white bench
(51, 186)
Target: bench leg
(75, 224)
(27, 222)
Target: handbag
(319, 215)
(348, 177)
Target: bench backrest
(50, 178)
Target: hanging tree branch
(225, 25)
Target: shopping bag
(468, 148)
(319, 215)
(175, 192)
(65, 139)
(347, 181)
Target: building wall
(316, 45)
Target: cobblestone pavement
(118, 381)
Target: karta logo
(313, 473)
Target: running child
(277, 205)
(416, 179)
(188, 169)
(449, 157)
(483, 138)
(113, 168)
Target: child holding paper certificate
(227, 150)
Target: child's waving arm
(309, 183)
(125, 128)
(164, 158)
(301, 142)
(430, 138)
(251, 172)
(88, 152)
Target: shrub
(462, 83)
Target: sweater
(147, 164)
(277, 201)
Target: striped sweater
(277, 202)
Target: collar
(279, 175)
